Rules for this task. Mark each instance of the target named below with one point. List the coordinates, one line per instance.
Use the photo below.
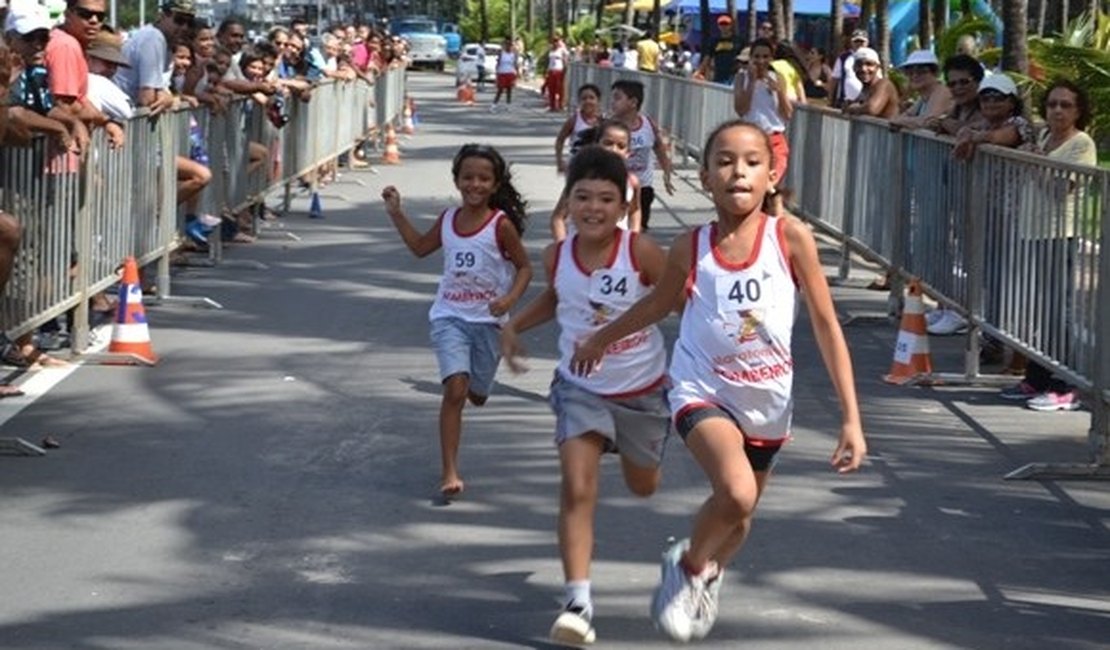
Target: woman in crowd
(818, 75)
(933, 97)
(1050, 244)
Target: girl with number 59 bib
(485, 271)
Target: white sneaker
(707, 614)
(947, 324)
(934, 315)
(572, 627)
(680, 601)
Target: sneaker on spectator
(573, 627)
(947, 324)
(1053, 401)
(1019, 392)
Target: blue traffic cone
(315, 211)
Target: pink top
(66, 66)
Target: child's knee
(736, 502)
(579, 489)
(642, 486)
(455, 388)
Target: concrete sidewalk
(270, 484)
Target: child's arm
(514, 247)
(663, 154)
(537, 312)
(559, 218)
(742, 92)
(560, 140)
(649, 309)
(635, 219)
(851, 448)
(421, 245)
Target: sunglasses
(1060, 104)
(991, 96)
(89, 14)
(918, 69)
(959, 83)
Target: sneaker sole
(1016, 398)
(1054, 407)
(570, 629)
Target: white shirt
(109, 98)
(852, 85)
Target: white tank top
(588, 301)
(641, 145)
(475, 271)
(764, 109)
(733, 347)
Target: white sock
(578, 591)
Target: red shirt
(68, 72)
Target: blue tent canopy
(806, 7)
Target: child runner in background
(612, 136)
(485, 271)
(587, 115)
(507, 70)
(648, 143)
(731, 370)
(593, 277)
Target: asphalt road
(270, 483)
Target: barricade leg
(21, 446)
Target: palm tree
(552, 20)
(530, 15)
(656, 18)
(1015, 51)
(882, 13)
(778, 21)
(483, 16)
(940, 17)
(788, 19)
(753, 20)
(836, 33)
(599, 13)
(703, 11)
(629, 11)
(924, 24)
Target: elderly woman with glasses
(1003, 119)
(933, 97)
(962, 74)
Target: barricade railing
(1011, 240)
(81, 217)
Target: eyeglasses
(959, 83)
(1066, 105)
(992, 97)
(917, 69)
(89, 14)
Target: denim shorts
(635, 426)
(472, 349)
(761, 457)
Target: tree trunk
(512, 21)
(965, 8)
(866, 11)
(1015, 53)
(940, 17)
(753, 20)
(778, 22)
(599, 12)
(565, 19)
(530, 15)
(552, 19)
(483, 16)
(629, 12)
(1042, 15)
(882, 14)
(836, 29)
(924, 24)
(656, 18)
(706, 26)
(788, 19)
(1064, 18)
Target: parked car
(468, 62)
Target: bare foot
(451, 487)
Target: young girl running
(592, 278)
(485, 271)
(732, 370)
(613, 136)
(587, 116)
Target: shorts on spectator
(463, 347)
(506, 80)
(761, 457)
(635, 426)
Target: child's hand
(500, 306)
(511, 350)
(587, 358)
(392, 200)
(850, 451)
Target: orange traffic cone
(392, 154)
(912, 361)
(408, 126)
(130, 334)
(465, 93)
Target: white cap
(27, 16)
(866, 54)
(921, 57)
(999, 82)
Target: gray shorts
(472, 349)
(635, 427)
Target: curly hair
(506, 198)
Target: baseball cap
(180, 6)
(1000, 83)
(26, 17)
(866, 54)
(724, 19)
(860, 35)
(106, 47)
(921, 57)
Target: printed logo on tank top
(612, 292)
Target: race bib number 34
(613, 287)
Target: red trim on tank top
(639, 391)
(612, 255)
(455, 223)
(692, 276)
(753, 256)
(780, 234)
